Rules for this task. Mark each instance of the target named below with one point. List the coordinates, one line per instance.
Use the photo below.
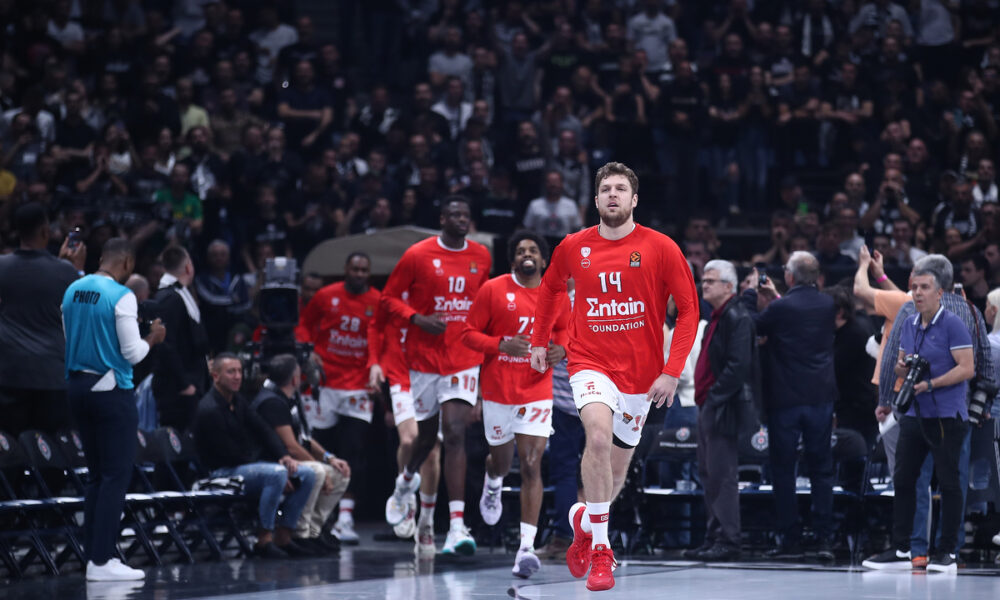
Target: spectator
(828, 249)
(306, 110)
(652, 31)
(857, 397)
(180, 372)
(102, 344)
(266, 225)
(450, 62)
(527, 163)
(985, 189)
(207, 169)
(32, 345)
(572, 162)
(232, 439)
(801, 384)
(453, 106)
(280, 405)
(225, 299)
(191, 115)
(518, 81)
(727, 389)
(903, 253)
(974, 271)
(553, 215)
(182, 207)
(270, 39)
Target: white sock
(427, 504)
(346, 510)
(598, 517)
(494, 483)
(528, 533)
(456, 512)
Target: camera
(918, 368)
(980, 400)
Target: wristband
(327, 456)
(882, 278)
(930, 385)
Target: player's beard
(527, 271)
(618, 219)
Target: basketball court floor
(379, 570)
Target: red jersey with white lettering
(344, 330)
(439, 281)
(392, 358)
(504, 308)
(622, 287)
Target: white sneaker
(425, 541)
(343, 530)
(459, 541)
(490, 504)
(396, 505)
(113, 570)
(406, 528)
(526, 563)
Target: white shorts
(402, 404)
(630, 409)
(430, 390)
(347, 403)
(502, 421)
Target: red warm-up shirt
(622, 287)
(439, 281)
(504, 308)
(344, 331)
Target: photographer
(936, 358)
(890, 203)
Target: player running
(517, 400)
(624, 274)
(341, 323)
(442, 275)
(392, 358)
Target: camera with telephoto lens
(983, 393)
(918, 367)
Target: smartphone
(75, 238)
(762, 272)
(958, 289)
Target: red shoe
(578, 553)
(602, 561)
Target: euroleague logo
(510, 302)
(437, 267)
(585, 252)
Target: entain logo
(630, 307)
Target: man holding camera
(936, 358)
(985, 379)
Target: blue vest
(92, 344)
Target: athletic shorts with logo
(346, 403)
(503, 421)
(430, 390)
(630, 409)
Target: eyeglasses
(710, 281)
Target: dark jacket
(799, 328)
(32, 344)
(734, 399)
(227, 438)
(180, 359)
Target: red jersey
(443, 281)
(504, 308)
(343, 328)
(622, 287)
(392, 357)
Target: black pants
(718, 469)
(107, 423)
(24, 409)
(946, 437)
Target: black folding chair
(22, 520)
(176, 457)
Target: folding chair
(179, 462)
(671, 507)
(22, 520)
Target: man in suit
(726, 383)
(797, 331)
(180, 369)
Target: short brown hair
(616, 168)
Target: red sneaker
(578, 553)
(602, 561)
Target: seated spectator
(179, 205)
(191, 115)
(985, 189)
(280, 405)
(553, 215)
(229, 121)
(232, 439)
(572, 162)
(266, 225)
(306, 110)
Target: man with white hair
(800, 328)
(727, 362)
